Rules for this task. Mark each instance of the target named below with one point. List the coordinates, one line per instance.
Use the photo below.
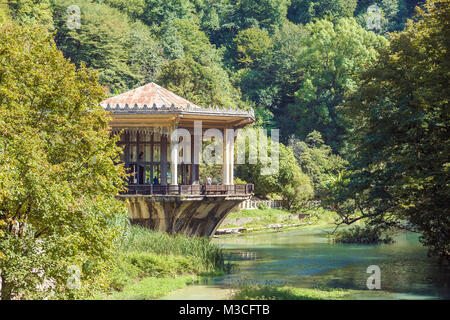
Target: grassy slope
(150, 264)
(260, 218)
(152, 288)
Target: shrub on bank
(358, 234)
(270, 292)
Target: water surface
(306, 259)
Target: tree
(334, 56)
(146, 57)
(195, 43)
(304, 11)
(202, 85)
(156, 12)
(289, 181)
(58, 180)
(31, 11)
(393, 13)
(102, 42)
(266, 14)
(271, 83)
(171, 41)
(238, 15)
(5, 15)
(400, 145)
(251, 46)
(134, 8)
(317, 161)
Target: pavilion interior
(147, 155)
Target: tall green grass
(139, 239)
(144, 255)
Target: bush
(357, 234)
(263, 206)
(271, 292)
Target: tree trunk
(5, 289)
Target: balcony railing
(150, 189)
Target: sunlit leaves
(55, 201)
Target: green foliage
(146, 55)
(100, 43)
(393, 13)
(200, 84)
(334, 55)
(205, 254)
(157, 262)
(262, 206)
(31, 12)
(400, 145)
(152, 265)
(317, 161)
(237, 180)
(195, 43)
(266, 14)
(157, 12)
(251, 46)
(133, 8)
(129, 41)
(5, 15)
(320, 216)
(289, 181)
(171, 42)
(305, 11)
(357, 234)
(58, 180)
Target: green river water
(306, 259)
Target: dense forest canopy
(286, 59)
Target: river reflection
(306, 259)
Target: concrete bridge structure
(164, 190)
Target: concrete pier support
(189, 215)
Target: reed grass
(140, 239)
(155, 263)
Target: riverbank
(268, 292)
(150, 264)
(263, 220)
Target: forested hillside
(292, 61)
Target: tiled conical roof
(152, 98)
(148, 97)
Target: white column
(225, 163)
(231, 159)
(197, 158)
(174, 163)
